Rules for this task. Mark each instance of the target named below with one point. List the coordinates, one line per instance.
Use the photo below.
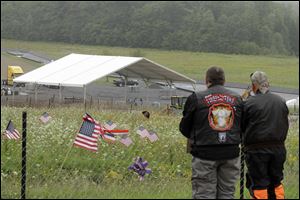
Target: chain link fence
(57, 169)
(31, 95)
(131, 97)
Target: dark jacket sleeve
(186, 123)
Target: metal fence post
(23, 170)
(242, 172)
(91, 102)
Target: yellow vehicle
(12, 72)
(178, 102)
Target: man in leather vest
(265, 126)
(212, 121)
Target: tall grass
(56, 169)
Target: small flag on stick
(109, 125)
(108, 134)
(152, 136)
(10, 131)
(108, 137)
(142, 132)
(45, 117)
(126, 140)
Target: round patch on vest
(221, 117)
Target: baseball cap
(260, 78)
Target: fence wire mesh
(57, 169)
(103, 97)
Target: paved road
(33, 56)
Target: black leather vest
(217, 120)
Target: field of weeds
(56, 169)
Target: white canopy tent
(79, 70)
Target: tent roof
(78, 70)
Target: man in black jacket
(211, 121)
(265, 126)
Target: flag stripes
(88, 135)
(12, 135)
(10, 131)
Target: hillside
(283, 71)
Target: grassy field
(55, 169)
(283, 71)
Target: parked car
(121, 82)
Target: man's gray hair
(261, 80)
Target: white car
(293, 105)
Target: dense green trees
(209, 26)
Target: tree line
(255, 27)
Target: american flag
(142, 132)
(108, 137)
(152, 136)
(126, 140)
(88, 134)
(109, 133)
(11, 132)
(109, 125)
(45, 117)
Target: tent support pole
(84, 97)
(170, 88)
(194, 87)
(60, 96)
(146, 81)
(125, 85)
(13, 93)
(147, 95)
(35, 94)
(171, 83)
